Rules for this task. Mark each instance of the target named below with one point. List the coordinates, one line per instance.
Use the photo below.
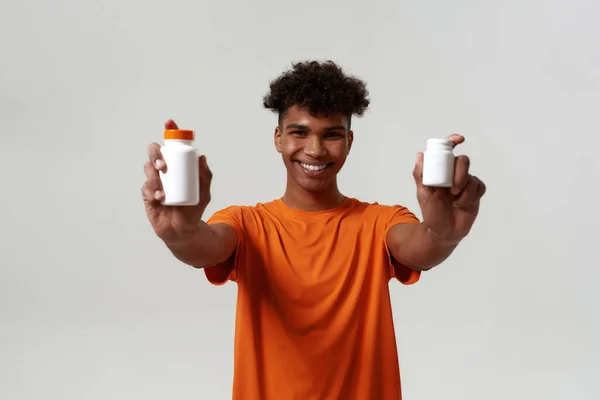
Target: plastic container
(181, 180)
(438, 163)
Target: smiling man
(313, 149)
(313, 318)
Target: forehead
(299, 116)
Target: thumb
(456, 139)
(418, 170)
(170, 124)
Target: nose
(314, 147)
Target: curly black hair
(321, 88)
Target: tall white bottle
(181, 180)
(438, 163)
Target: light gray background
(93, 306)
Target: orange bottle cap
(179, 134)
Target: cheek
(289, 148)
(339, 151)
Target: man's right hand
(173, 224)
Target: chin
(312, 185)
(314, 188)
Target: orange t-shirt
(314, 318)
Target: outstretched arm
(448, 215)
(209, 245)
(417, 247)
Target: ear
(277, 139)
(350, 140)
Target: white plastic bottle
(438, 163)
(181, 181)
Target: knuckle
(146, 192)
(480, 185)
(416, 174)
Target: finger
(461, 174)
(205, 180)
(151, 196)
(205, 172)
(153, 181)
(456, 139)
(418, 170)
(170, 124)
(469, 193)
(156, 157)
(481, 188)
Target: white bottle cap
(439, 144)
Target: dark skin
(448, 213)
(303, 138)
(172, 223)
(181, 228)
(448, 216)
(314, 149)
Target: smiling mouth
(313, 168)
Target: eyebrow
(305, 128)
(297, 126)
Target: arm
(181, 228)
(418, 247)
(448, 215)
(209, 245)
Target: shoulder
(380, 211)
(244, 214)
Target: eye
(334, 135)
(299, 133)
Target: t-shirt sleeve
(220, 273)
(402, 273)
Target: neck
(324, 199)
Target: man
(313, 317)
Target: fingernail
(159, 164)
(455, 204)
(157, 194)
(454, 190)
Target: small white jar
(438, 163)
(181, 180)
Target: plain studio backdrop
(93, 305)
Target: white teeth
(313, 167)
